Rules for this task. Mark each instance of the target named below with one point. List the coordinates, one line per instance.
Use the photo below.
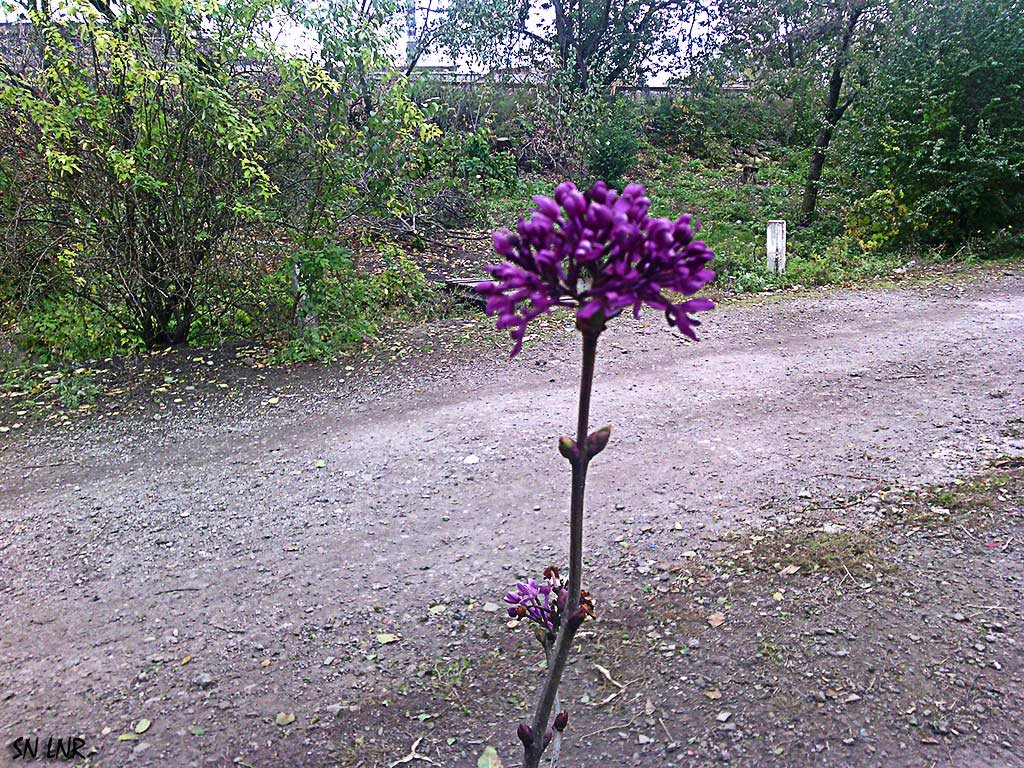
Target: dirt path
(209, 571)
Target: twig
(665, 729)
(608, 676)
(604, 730)
(612, 697)
(985, 609)
(413, 755)
(178, 589)
(227, 629)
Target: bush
(160, 183)
(942, 127)
(707, 121)
(672, 123)
(61, 327)
(351, 304)
(613, 145)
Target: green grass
(837, 552)
(735, 216)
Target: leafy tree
(162, 150)
(587, 44)
(940, 132)
(803, 49)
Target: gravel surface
(217, 565)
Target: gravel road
(149, 567)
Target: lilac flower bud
(542, 227)
(567, 447)
(599, 215)
(575, 204)
(597, 440)
(525, 734)
(547, 738)
(586, 252)
(561, 720)
(547, 206)
(599, 193)
(562, 191)
(503, 242)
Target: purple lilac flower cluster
(598, 252)
(540, 603)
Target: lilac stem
(533, 750)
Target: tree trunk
(810, 198)
(833, 112)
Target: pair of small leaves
(596, 442)
(140, 728)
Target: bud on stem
(561, 720)
(596, 441)
(568, 448)
(525, 734)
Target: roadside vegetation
(171, 175)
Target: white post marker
(777, 246)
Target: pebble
(205, 681)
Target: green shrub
(673, 123)
(351, 304)
(63, 327)
(942, 125)
(479, 165)
(877, 220)
(614, 144)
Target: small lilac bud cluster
(544, 603)
(597, 441)
(541, 603)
